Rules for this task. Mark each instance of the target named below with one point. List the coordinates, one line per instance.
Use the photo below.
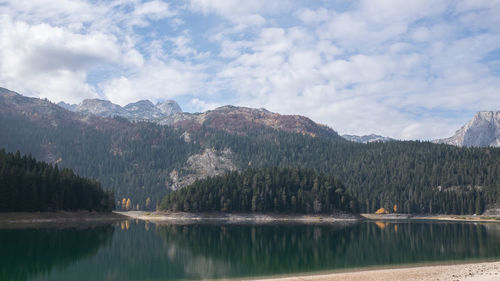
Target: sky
(404, 69)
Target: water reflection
(27, 253)
(265, 250)
(147, 251)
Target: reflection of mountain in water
(389, 243)
(145, 251)
(214, 251)
(28, 253)
(247, 250)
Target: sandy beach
(487, 271)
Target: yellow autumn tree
(124, 203)
(395, 208)
(128, 205)
(148, 202)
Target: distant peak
(94, 101)
(141, 103)
(367, 138)
(169, 107)
(481, 131)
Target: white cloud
(152, 10)
(202, 106)
(376, 68)
(156, 80)
(51, 61)
(389, 67)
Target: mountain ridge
(229, 118)
(367, 138)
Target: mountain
(232, 119)
(101, 108)
(70, 107)
(482, 131)
(169, 107)
(135, 160)
(143, 161)
(367, 138)
(143, 110)
(239, 120)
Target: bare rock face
(169, 107)
(367, 138)
(70, 107)
(199, 166)
(101, 108)
(482, 131)
(143, 110)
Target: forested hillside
(417, 177)
(266, 190)
(30, 185)
(133, 160)
(140, 161)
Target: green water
(141, 251)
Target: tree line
(273, 189)
(30, 185)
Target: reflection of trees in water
(147, 251)
(26, 253)
(243, 250)
(397, 243)
(264, 249)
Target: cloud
(51, 61)
(402, 69)
(378, 66)
(156, 80)
(52, 50)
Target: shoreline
(20, 219)
(262, 218)
(444, 218)
(238, 217)
(476, 271)
(60, 218)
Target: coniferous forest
(135, 160)
(30, 185)
(276, 190)
(416, 177)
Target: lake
(136, 250)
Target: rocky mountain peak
(70, 107)
(482, 130)
(169, 107)
(367, 138)
(143, 110)
(100, 107)
(140, 104)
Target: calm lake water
(145, 251)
